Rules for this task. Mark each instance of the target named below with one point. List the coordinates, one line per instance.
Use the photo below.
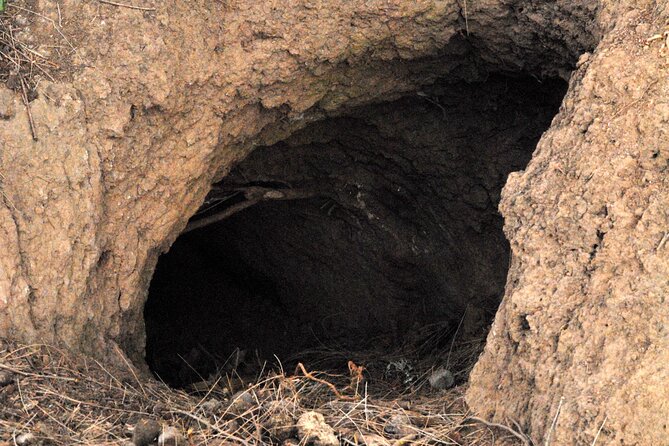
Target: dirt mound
(149, 105)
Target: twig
(407, 439)
(519, 435)
(130, 367)
(60, 18)
(23, 402)
(554, 423)
(450, 350)
(599, 431)
(253, 195)
(24, 90)
(97, 406)
(207, 424)
(324, 382)
(124, 5)
(35, 375)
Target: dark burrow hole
(374, 232)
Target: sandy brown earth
(150, 106)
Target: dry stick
(407, 439)
(27, 103)
(554, 423)
(120, 385)
(97, 406)
(211, 389)
(124, 5)
(599, 431)
(519, 435)
(130, 367)
(254, 195)
(35, 375)
(322, 381)
(7, 200)
(55, 420)
(23, 402)
(60, 18)
(450, 350)
(348, 416)
(209, 425)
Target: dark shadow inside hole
(376, 231)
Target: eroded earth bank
(370, 145)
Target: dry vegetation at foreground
(51, 397)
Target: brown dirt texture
(117, 117)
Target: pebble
(146, 433)
(159, 408)
(441, 379)
(6, 378)
(312, 429)
(398, 425)
(241, 402)
(280, 423)
(211, 406)
(25, 439)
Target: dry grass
(21, 67)
(18, 62)
(64, 399)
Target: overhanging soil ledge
(149, 111)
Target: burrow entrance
(377, 230)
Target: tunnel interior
(373, 230)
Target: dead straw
(65, 399)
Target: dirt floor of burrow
(49, 396)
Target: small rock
(398, 425)
(241, 402)
(401, 370)
(171, 437)
(441, 379)
(312, 429)
(146, 433)
(583, 59)
(6, 378)
(159, 408)
(211, 406)
(280, 422)
(13, 82)
(25, 439)
(5, 392)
